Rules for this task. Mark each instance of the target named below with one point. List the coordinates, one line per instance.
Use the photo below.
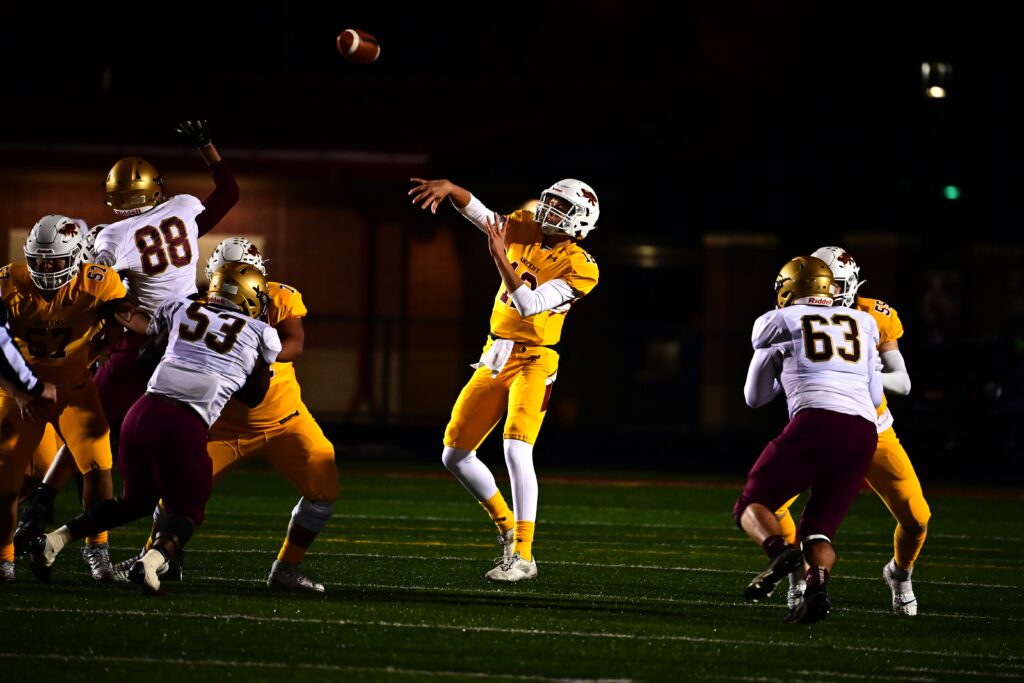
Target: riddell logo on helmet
(589, 196)
(819, 300)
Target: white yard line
(301, 665)
(643, 525)
(565, 563)
(509, 631)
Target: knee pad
(311, 514)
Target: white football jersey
(157, 251)
(828, 356)
(211, 351)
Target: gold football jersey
(284, 396)
(889, 326)
(536, 264)
(54, 336)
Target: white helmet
(845, 272)
(235, 250)
(578, 220)
(53, 237)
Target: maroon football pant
(121, 380)
(821, 450)
(162, 455)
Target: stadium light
(951, 192)
(936, 78)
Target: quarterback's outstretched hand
(430, 193)
(198, 132)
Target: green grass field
(638, 581)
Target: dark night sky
(719, 116)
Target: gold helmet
(804, 276)
(240, 286)
(134, 186)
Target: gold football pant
(78, 419)
(297, 449)
(43, 456)
(891, 475)
(521, 389)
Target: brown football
(358, 46)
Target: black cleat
(814, 607)
(32, 523)
(169, 571)
(763, 585)
(40, 561)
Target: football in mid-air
(358, 46)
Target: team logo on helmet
(589, 196)
(845, 259)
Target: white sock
(58, 539)
(153, 560)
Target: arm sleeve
(551, 294)
(875, 382)
(105, 258)
(762, 383)
(269, 344)
(13, 367)
(895, 378)
(220, 201)
(476, 213)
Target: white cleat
(512, 569)
(6, 571)
(903, 599)
(98, 559)
(507, 541)
(797, 586)
(289, 577)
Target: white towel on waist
(495, 356)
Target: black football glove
(198, 132)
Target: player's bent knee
(312, 515)
(814, 539)
(453, 457)
(738, 509)
(921, 513)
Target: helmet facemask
(578, 219)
